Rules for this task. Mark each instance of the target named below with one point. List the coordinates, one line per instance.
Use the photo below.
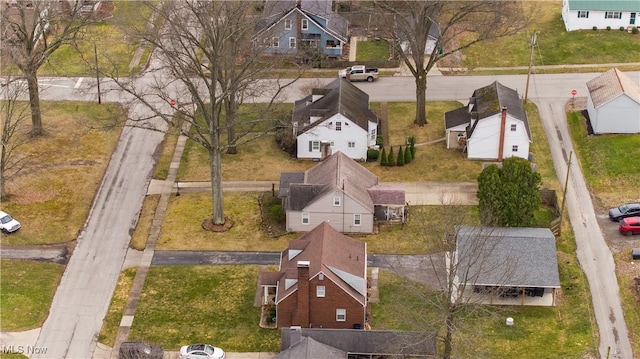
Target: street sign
(574, 92)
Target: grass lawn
(209, 304)
(372, 50)
(555, 45)
(565, 331)
(52, 197)
(113, 40)
(607, 162)
(27, 291)
(116, 309)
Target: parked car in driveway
(624, 211)
(201, 351)
(8, 224)
(630, 226)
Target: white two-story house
(493, 126)
(334, 118)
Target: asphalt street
(85, 291)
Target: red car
(630, 225)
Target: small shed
(613, 104)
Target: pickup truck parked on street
(359, 73)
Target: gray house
(342, 192)
(296, 27)
(506, 266)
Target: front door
(632, 20)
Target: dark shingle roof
(367, 341)
(523, 257)
(301, 194)
(286, 179)
(308, 348)
(489, 100)
(457, 117)
(340, 96)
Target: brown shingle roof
(340, 258)
(387, 195)
(610, 85)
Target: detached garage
(613, 104)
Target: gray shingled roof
(489, 100)
(341, 97)
(286, 179)
(366, 341)
(610, 85)
(301, 194)
(308, 348)
(276, 10)
(512, 257)
(456, 117)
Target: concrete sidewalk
(416, 193)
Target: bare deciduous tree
(459, 24)
(33, 30)
(206, 65)
(449, 274)
(13, 115)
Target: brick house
(321, 283)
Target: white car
(201, 351)
(8, 224)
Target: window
(341, 315)
(513, 127)
(514, 148)
(336, 201)
(287, 24)
(583, 14)
(314, 146)
(351, 144)
(305, 24)
(292, 42)
(372, 136)
(612, 15)
(320, 291)
(305, 218)
(357, 219)
(275, 42)
(338, 126)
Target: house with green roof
(585, 14)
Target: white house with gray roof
(334, 118)
(585, 14)
(493, 126)
(613, 103)
(506, 266)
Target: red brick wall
(323, 310)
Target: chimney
(301, 317)
(503, 124)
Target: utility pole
(534, 39)
(95, 53)
(566, 184)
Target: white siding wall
(485, 140)
(595, 18)
(620, 115)
(350, 132)
(340, 217)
